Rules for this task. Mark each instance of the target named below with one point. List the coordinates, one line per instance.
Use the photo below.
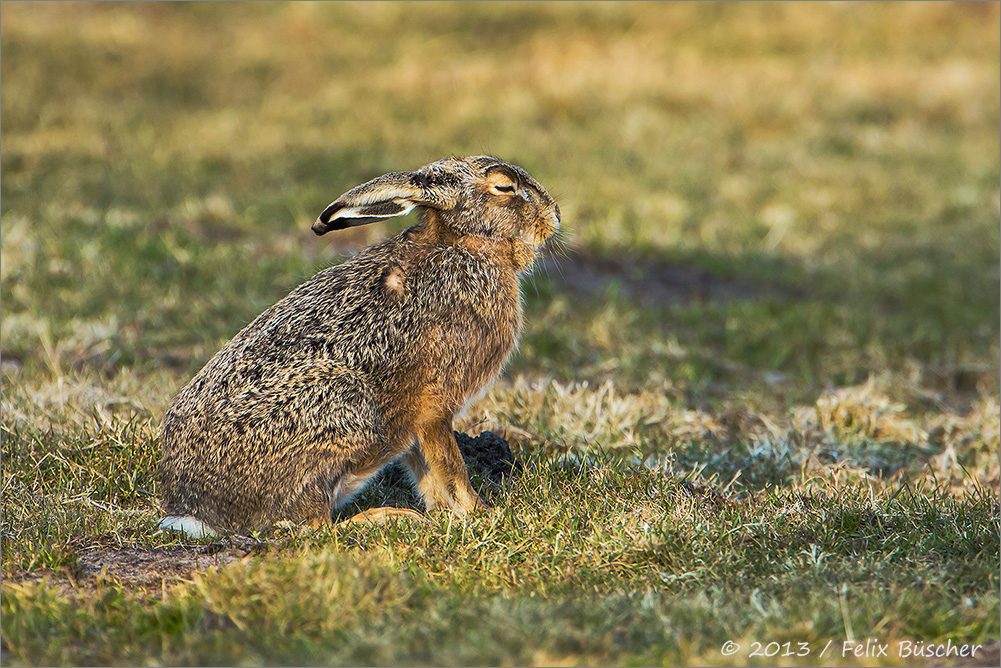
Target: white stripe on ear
(377, 209)
(391, 195)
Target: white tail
(195, 528)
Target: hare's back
(322, 320)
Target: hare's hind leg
(383, 515)
(439, 472)
(352, 483)
(340, 491)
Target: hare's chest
(470, 317)
(466, 291)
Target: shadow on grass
(771, 314)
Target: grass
(758, 400)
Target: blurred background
(755, 195)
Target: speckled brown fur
(340, 377)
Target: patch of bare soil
(654, 281)
(144, 566)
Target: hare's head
(476, 196)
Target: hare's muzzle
(548, 226)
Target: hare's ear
(394, 194)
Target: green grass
(757, 400)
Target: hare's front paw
(462, 502)
(468, 502)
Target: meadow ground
(757, 400)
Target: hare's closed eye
(501, 181)
(503, 187)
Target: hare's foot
(439, 473)
(383, 515)
(192, 526)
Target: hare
(366, 362)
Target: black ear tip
(322, 224)
(319, 227)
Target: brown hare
(366, 362)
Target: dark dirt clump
(489, 456)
